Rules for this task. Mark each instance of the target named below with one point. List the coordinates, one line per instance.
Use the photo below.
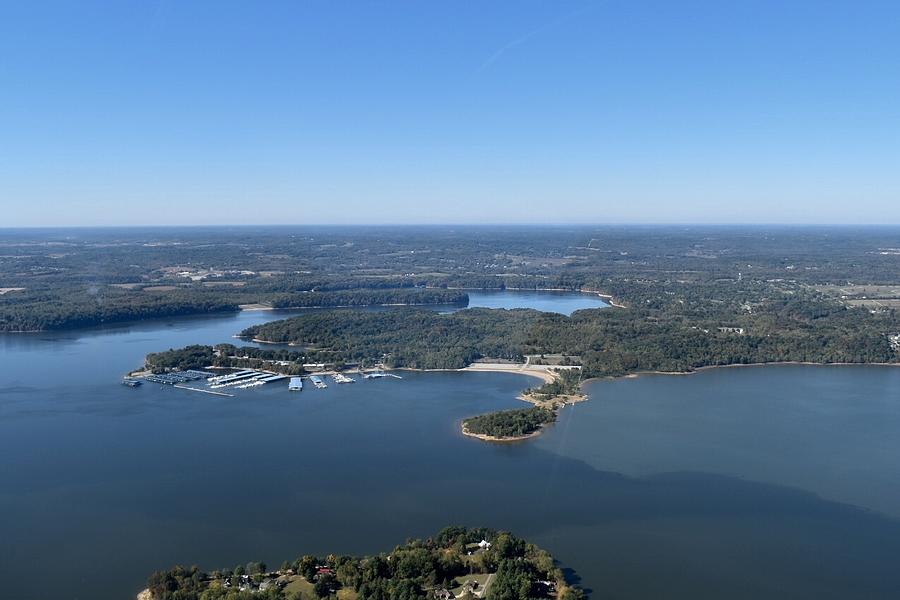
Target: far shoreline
(783, 363)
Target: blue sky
(177, 112)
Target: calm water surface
(559, 302)
(739, 483)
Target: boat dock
(193, 389)
(380, 375)
(244, 379)
(177, 377)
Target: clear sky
(428, 111)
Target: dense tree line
(370, 297)
(510, 423)
(189, 357)
(85, 307)
(414, 338)
(285, 361)
(567, 382)
(412, 571)
(74, 307)
(671, 337)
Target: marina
(244, 379)
(177, 377)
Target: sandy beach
(489, 438)
(540, 371)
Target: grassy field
(298, 584)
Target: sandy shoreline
(539, 371)
(609, 299)
(489, 438)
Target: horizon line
(459, 224)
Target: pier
(193, 389)
(380, 375)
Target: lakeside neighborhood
(457, 563)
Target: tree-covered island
(505, 425)
(456, 563)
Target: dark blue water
(559, 302)
(739, 483)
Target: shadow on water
(698, 535)
(676, 535)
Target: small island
(562, 386)
(508, 425)
(458, 562)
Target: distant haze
(197, 113)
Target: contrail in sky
(521, 40)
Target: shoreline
(254, 307)
(520, 368)
(609, 299)
(503, 440)
(785, 363)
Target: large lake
(739, 483)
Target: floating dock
(341, 378)
(242, 379)
(227, 379)
(295, 385)
(193, 389)
(317, 381)
(380, 375)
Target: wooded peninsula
(456, 563)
